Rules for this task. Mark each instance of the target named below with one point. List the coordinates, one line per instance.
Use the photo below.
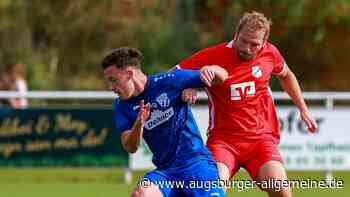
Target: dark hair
(121, 57)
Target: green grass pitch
(104, 182)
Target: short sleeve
(196, 61)
(121, 120)
(279, 62)
(187, 79)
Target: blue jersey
(171, 132)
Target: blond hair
(254, 21)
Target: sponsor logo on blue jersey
(158, 116)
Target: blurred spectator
(13, 80)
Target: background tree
(62, 42)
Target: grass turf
(102, 182)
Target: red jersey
(242, 106)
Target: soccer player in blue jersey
(151, 107)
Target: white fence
(81, 95)
(327, 96)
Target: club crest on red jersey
(256, 71)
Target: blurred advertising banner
(327, 149)
(59, 137)
(142, 159)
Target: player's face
(249, 42)
(119, 81)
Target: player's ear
(130, 73)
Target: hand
(207, 75)
(189, 96)
(309, 121)
(144, 112)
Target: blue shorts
(198, 177)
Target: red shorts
(249, 154)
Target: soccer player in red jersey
(243, 125)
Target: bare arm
(290, 84)
(217, 73)
(213, 74)
(210, 75)
(131, 139)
